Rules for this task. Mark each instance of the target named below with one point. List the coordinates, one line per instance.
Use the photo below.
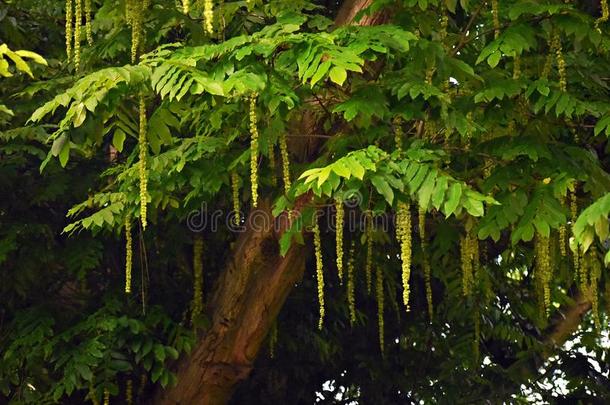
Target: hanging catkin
(561, 63)
(88, 30)
(78, 16)
(69, 30)
(271, 153)
(380, 297)
(340, 213)
(143, 153)
(235, 195)
(425, 260)
(573, 217)
(285, 162)
(128, 255)
(467, 252)
(605, 14)
(351, 285)
(197, 278)
(253, 151)
(319, 270)
(129, 392)
(208, 16)
(135, 16)
(186, 5)
(403, 234)
(368, 269)
(398, 133)
(543, 271)
(106, 396)
(495, 14)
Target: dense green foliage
(490, 120)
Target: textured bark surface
(247, 297)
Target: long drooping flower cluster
(197, 278)
(403, 234)
(398, 133)
(69, 32)
(235, 194)
(134, 15)
(368, 269)
(128, 255)
(425, 260)
(319, 270)
(351, 285)
(380, 298)
(573, 217)
(543, 271)
(516, 68)
(106, 396)
(561, 63)
(589, 282)
(469, 252)
(143, 153)
(208, 16)
(253, 151)
(495, 14)
(271, 153)
(605, 14)
(129, 392)
(186, 6)
(340, 213)
(78, 17)
(88, 29)
(285, 162)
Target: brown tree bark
(247, 298)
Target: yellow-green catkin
(469, 252)
(573, 216)
(235, 193)
(319, 270)
(543, 270)
(273, 339)
(425, 260)
(129, 392)
(398, 133)
(135, 17)
(444, 24)
(517, 67)
(368, 269)
(78, 16)
(285, 162)
(88, 30)
(563, 240)
(69, 29)
(92, 395)
(197, 278)
(208, 16)
(186, 6)
(403, 234)
(340, 214)
(495, 14)
(548, 62)
(143, 153)
(594, 271)
(106, 396)
(271, 153)
(351, 285)
(561, 63)
(380, 298)
(128, 255)
(605, 14)
(253, 151)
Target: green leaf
(338, 75)
(453, 199)
(383, 188)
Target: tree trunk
(248, 296)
